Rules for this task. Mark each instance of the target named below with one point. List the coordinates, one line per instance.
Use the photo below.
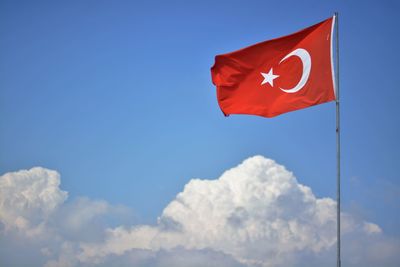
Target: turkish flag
(279, 75)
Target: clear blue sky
(117, 97)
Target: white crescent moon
(306, 60)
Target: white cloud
(28, 197)
(371, 228)
(36, 219)
(255, 214)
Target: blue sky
(117, 97)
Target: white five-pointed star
(269, 77)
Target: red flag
(279, 75)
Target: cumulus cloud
(255, 214)
(177, 257)
(37, 220)
(28, 197)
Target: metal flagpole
(337, 139)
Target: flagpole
(337, 140)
